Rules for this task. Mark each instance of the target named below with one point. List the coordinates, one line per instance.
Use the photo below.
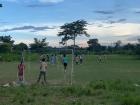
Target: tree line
(7, 45)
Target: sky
(108, 20)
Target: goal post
(53, 69)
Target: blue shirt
(65, 60)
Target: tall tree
(20, 47)
(118, 44)
(138, 47)
(6, 43)
(72, 30)
(6, 39)
(94, 45)
(139, 41)
(39, 44)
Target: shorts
(65, 64)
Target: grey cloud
(109, 17)
(117, 21)
(121, 20)
(40, 5)
(100, 25)
(138, 12)
(32, 28)
(133, 38)
(3, 22)
(105, 12)
(91, 23)
(112, 21)
(109, 27)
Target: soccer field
(114, 81)
(123, 67)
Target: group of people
(50, 59)
(43, 67)
(78, 59)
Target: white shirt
(43, 66)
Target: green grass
(110, 82)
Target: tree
(7, 42)
(20, 47)
(139, 41)
(72, 30)
(118, 44)
(138, 47)
(6, 39)
(117, 47)
(38, 44)
(94, 45)
(129, 46)
(5, 48)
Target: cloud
(36, 3)
(111, 12)
(50, 1)
(44, 3)
(53, 32)
(121, 20)
(41, 1)
(32, 28)
(3, 22)
(27, 41)
(107, 12)
(133, 38)
(117, 21)
(135, 10)
(117, 29)
(10, 0)
(40, 5)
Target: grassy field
(110, 82)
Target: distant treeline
(9, 50)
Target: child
(77, 59)
(65, 62)
(21, 68)
(52, 59)
(43, 69)
(81, 59)
(48, 58)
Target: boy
(48, 58)
(77, 59)
(65, 62)
(43, 69)
(81, 59)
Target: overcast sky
(109, 20)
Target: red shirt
(21, 68)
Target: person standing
(43, 70)
(81, 59)
(48, 58)
(52, 59)
(65, 62)
(21, 69)
(77, 59)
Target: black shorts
(65, 64)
